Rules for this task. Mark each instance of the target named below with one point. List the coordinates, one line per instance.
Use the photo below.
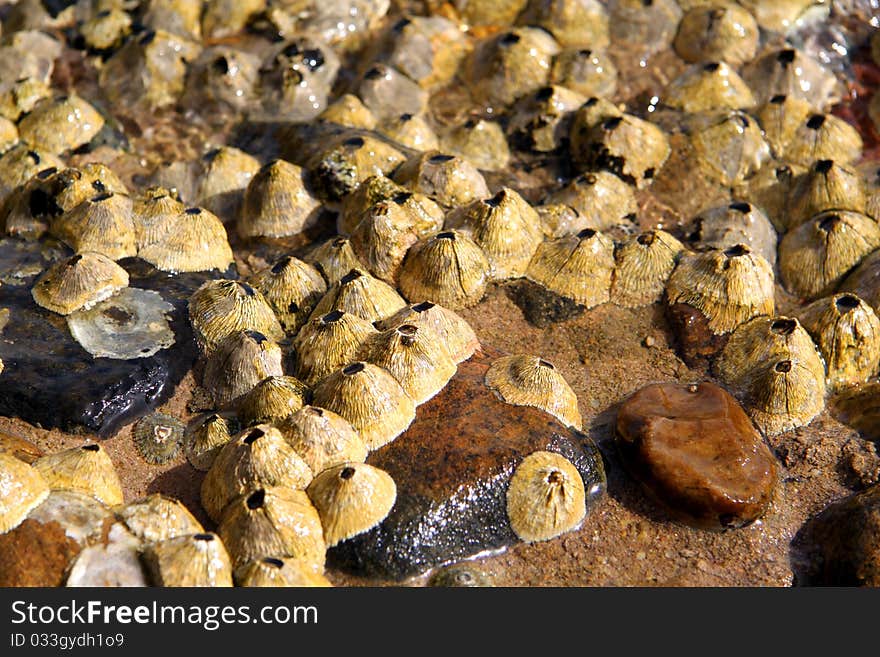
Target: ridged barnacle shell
(351, 498)
(370, 398)
(293, 288)
(221, 307)
(728, 286)
(525, 380)
(578, 267)
(259, 456)
(78, 282)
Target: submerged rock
(452, 468)
(52, 381)
(694, 448)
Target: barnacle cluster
(362, 174)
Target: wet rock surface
(694, 448)
(848, 536)
(540, 306)
(695, 342)
(452, 468)
(50, 380)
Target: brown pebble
(694, 448)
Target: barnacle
(578, 267)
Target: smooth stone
(51, 381)
(694, 449)
(452, 468)
(36, 554)
(693, 339)
(847, 534)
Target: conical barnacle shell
(349, 111)
(847, 332)
(194, 560)
(780, 119)
(449, 327)
(273, 521)
(221, 307)
(588, 71)
(382, 237)
(349, 159)
(546, 497)
(205, 437)
(762, 340)
(531, 381)
(815, 256)
(480, 142)
(541, 121)
(368, 193)
(361, 294)
(328, 342)
(154, 211)
(322, 438)
(158, 437)
(784, 394)
(770, 190)
(60, 124)
(85, 469)
(600, 197)
(425, 214)
(272, 571)
(723, 31)
(334, 259)
(273, 398)
(824, 137)
(643, 265)
(450, 180)
(370, 398)
(102, 223)
(415, 357)
(158, 518)
(222, 174)
(730, 146)
(864, 281)
(709, 86)
(277, 203)
(739, 222)
(351, 498)
(26, 211)
(20, 163)
(826, 186)
(259, 456)
(21, 96)
(578, 267)
(560, 219)
(293, 288)
(412, 131)
(728, 286)
(75, 185)
(81, 281)
(239, 363)
(506, 227)
(22, 489)
(789, 72)
(448, 268)
(195, 240)
(628, 146)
